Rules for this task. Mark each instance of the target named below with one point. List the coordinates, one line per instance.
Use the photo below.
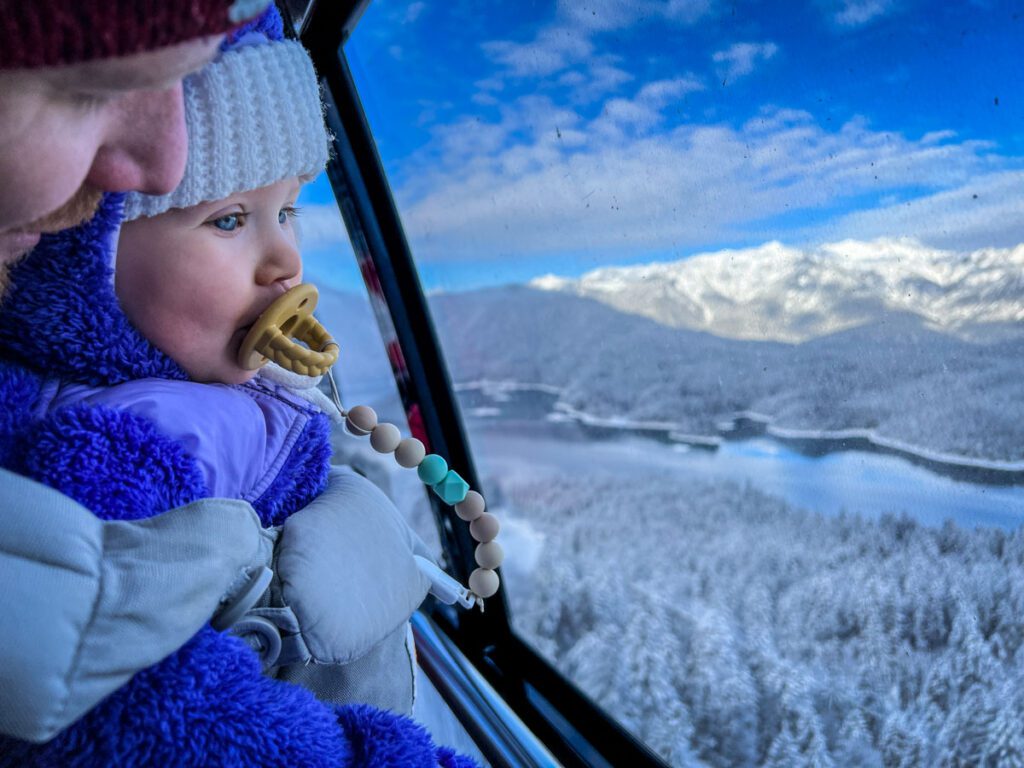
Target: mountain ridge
(775, 292)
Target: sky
(525, 138)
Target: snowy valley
(722, 624)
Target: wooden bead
(485, 528)
(361, 420)
(489, 555)
(470, 508)
(385, 438)
(410, 453)
(483, 582)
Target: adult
(90, 101)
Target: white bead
(485, 528)
(489, 555)
(483, 582)
(410, 453)
(361, 420)
(385, 437)
(471, 507)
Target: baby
(122, 389)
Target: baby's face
(194, 280)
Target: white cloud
(740, 59)
(413, 12)
(484, 99)
(601, 15)
(599, 77)
(687, 11)
(610, 188)
(626, 111)
(856, 13)
(987, 210)
(490, 84)
(661, 92)
(605, 15)
(554, 49)
(644, 110)
(565, 47)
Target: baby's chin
(238, 376)
(223, 371)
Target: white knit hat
(254, 117)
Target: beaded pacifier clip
(288, 334)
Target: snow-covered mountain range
(779, 293)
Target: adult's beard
(78, 209)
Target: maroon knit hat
(45, 33)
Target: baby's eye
(227, 223)
(288, 212)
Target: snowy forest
(733, 630)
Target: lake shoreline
(747, 424)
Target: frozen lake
(517, 429)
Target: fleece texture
(207, 704)
(61, 316)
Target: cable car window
(733, 299)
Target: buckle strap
(243, 600)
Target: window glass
(733, 297)
(363, 374)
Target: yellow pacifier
(288, 334)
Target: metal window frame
(568, 722)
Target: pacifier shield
(277, 333)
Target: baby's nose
(281, 263)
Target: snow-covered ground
(727, 628)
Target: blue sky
(530, 137)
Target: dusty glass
(733, 297)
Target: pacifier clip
(288, 334)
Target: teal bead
(452, 489)
(432, 469)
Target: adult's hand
(87, 603)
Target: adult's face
(67, 134)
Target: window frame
(567, 721)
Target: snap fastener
(262, 636)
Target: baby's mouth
(280, 291)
